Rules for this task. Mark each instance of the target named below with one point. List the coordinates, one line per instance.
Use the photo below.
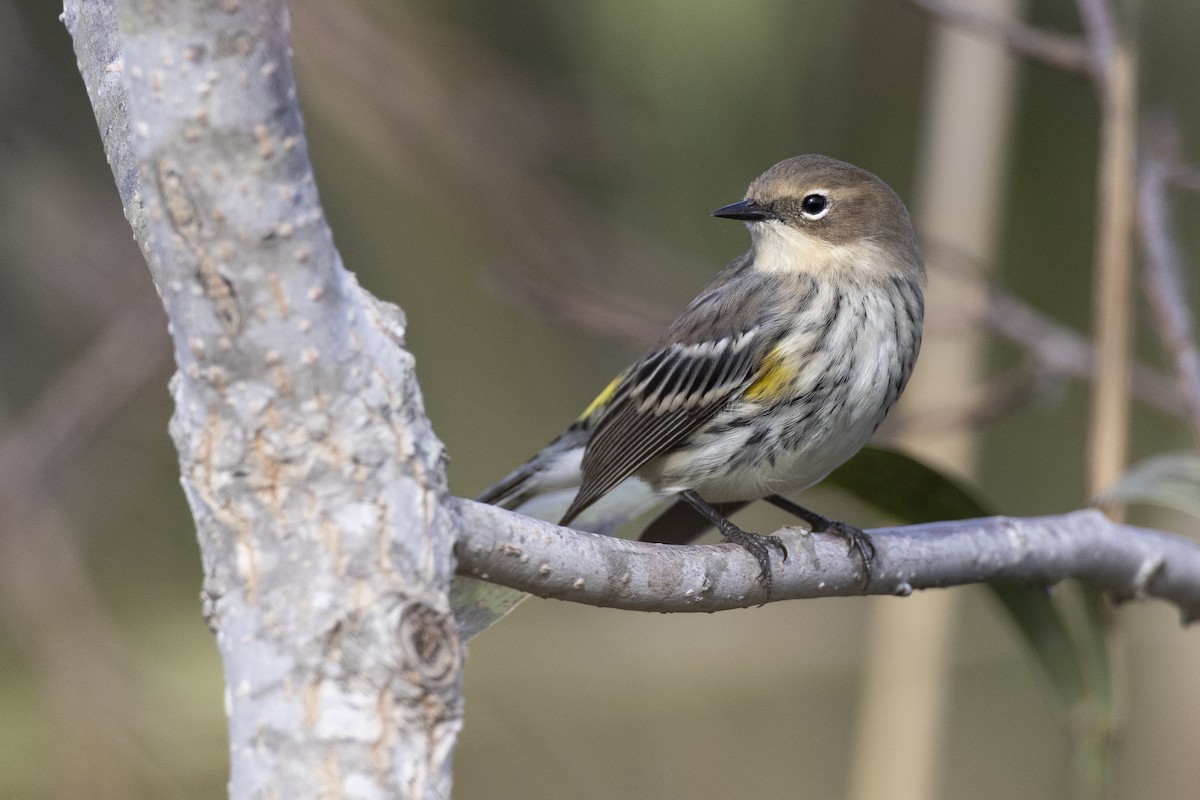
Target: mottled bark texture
(317, 485)
(548, 561)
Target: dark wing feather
(669, 393)
(711, 352)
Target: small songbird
(776, 374)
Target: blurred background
(531, 181)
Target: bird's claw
(757, 545)
(857, 541)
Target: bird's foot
(857, 540)
(755, 544)
(758, 546)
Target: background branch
(1114, 69)
(1067, 53)
(1164, 273)
(47, 599)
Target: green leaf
(1171, 480)
(913, 492)
(1045, 632)
(904, 487)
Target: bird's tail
(543, 488)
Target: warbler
(776, 374)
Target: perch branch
(549, 561)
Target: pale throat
(781, 248)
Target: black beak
(747, 210)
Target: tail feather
(556, 466)
(543, 488)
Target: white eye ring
(815, 205)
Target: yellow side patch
(602, 399)
(773, 378)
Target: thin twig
(582, 304)
(1100, 34)
(1164, 273)
(1185, 176)
(1115, 70)
(974, 407)
(549, 561)
(1062, 351)
(80, 402)
(47, 600)
(1063, 52)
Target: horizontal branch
(1063, 351)
(549, 561)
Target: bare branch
(1164, 273)
(1112, 278)
(1057, 50)
(47, 601)
(584, 304)
(549, 561)
(1100, 31)
(79, 402)
(1063, 351)
(974, 406)
(1186, 176)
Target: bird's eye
(814, 206)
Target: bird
(775, 374)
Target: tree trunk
(316, 483)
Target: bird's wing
(665, 396)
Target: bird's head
(815, 215)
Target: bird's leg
(753, 543)
(858, 540)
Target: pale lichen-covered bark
(315, 480)
(549, 561)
